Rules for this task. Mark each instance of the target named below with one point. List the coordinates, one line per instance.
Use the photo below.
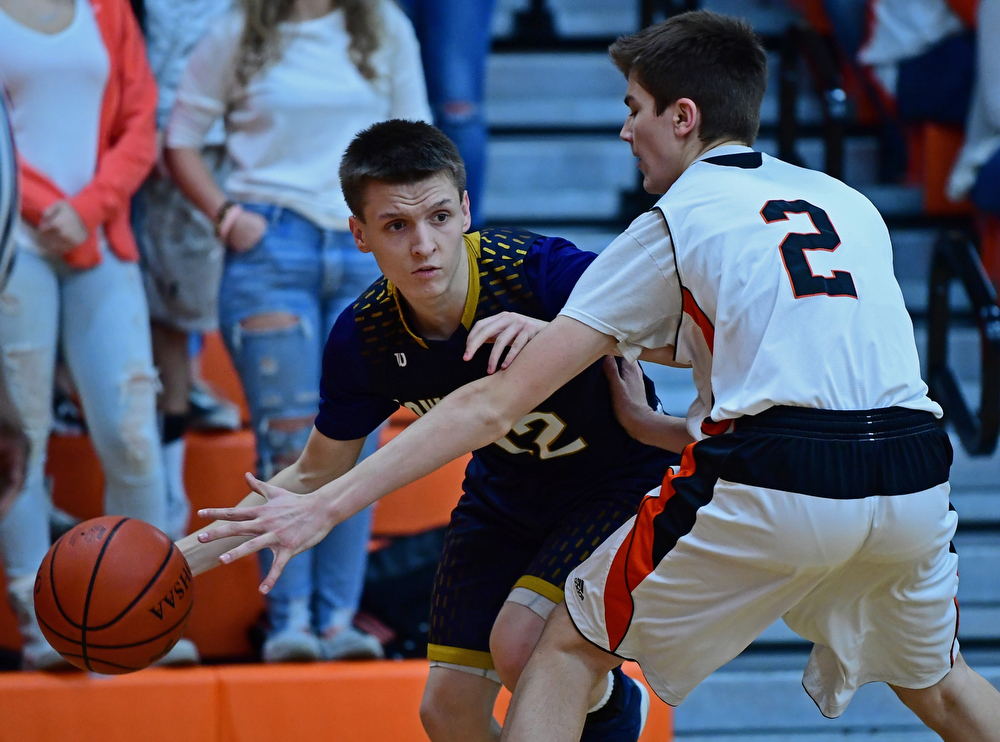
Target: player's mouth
(426, 271)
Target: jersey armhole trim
(680, 282)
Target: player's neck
(438, 317)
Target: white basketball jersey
(788, 290)
(774, 282)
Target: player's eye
(395, 226)
(441, 217)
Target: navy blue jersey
(373, 363)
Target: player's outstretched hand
(287, 524)
(504, 330)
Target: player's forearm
(469, 418)
(663, 431)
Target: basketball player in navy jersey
(818, 489)
(536, 501)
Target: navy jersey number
(793, 247)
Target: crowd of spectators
(178, 162)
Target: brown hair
(397, 151)
(716, 61)
(261, 44)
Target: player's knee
(441, 712)
(937, 704)
(511, 648)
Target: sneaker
(182, 654)
(211, 412)
(295, 641)
(36, 652)
(292, 645)
(350, 643)
(624, 716)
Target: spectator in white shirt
(294, 80)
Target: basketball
(113, 595)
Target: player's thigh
(481, 560)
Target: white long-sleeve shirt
(287, 131)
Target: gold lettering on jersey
(544, 441)
(545, 438)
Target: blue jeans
(454, 44)
(313, 274)
(99, 317)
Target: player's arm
(322, 460)
(471, 417)
(512, 331)
(628, 396)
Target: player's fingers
(245, 549)
(480, 334)
(230, 514)
(265, 490)
(277, 566)
(499, 344)
(611, 371)
(515, 347)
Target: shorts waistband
(805, 422)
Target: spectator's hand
(13, 462)
(61, 229)
(628, 395)
(504, 330)
(287, 524)
(246, 232)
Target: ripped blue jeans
(99, 317)
(310, 274)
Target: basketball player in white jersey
(817, 490)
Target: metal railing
(955, 258)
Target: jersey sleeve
(631, 291)
(552, 267)
(348, 407)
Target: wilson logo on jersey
(400, 359)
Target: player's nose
(423, 241)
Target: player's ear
(685, 117)
(357, 228)
(466, 212)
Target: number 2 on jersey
(793, 247)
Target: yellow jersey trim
(456, 656)
(472, 250)
(543, 588)
(472, 247)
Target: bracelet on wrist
(220, 215)
(228, 221)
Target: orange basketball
(113, 595)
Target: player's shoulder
(507, 242)
(374, 304)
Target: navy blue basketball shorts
(489, 558)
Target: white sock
(606, 697)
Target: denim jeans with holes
(312, 274)
(454, 45)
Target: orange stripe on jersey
(692, 309)
(710, 427)
(633, 561)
